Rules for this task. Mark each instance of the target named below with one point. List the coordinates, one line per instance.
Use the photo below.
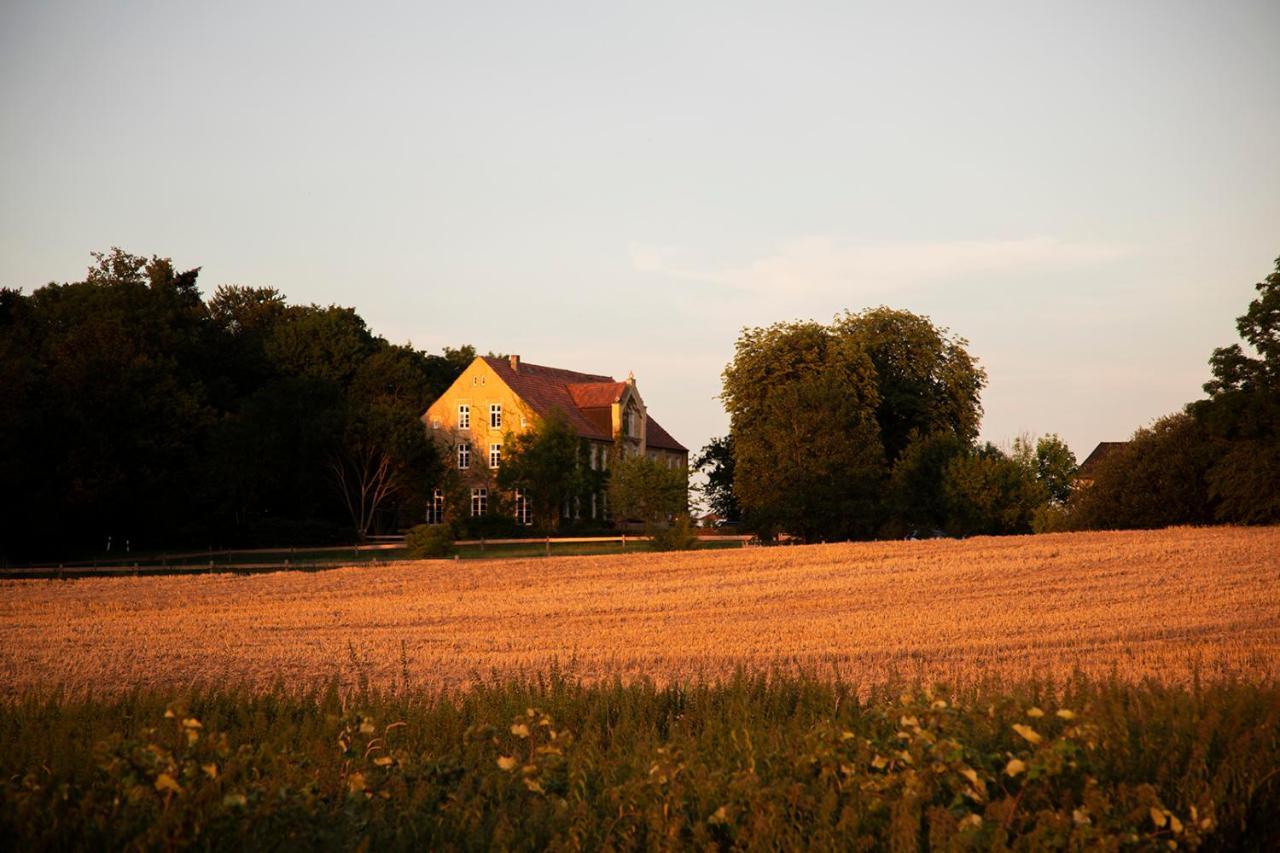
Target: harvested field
(1160, 604)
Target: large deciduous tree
(802, 402)
(1242, 414)
(818, 413)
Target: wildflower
(972, 821)
(520, 730)
(1064, 714)
(1028, 734)
(1015, 766)
(165, 782)
(506, 762)
(1035, 712)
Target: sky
(1084, 191)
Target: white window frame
(435, 509)
(524, 516)
(464, 416)
(495, 455)
(464, 455)
(479, 501)
(495, 416)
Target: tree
(808, 458)
(818, 413)
(1158, 479)
(640, 489)
(917, 499)
(987, 493)
(716, 461)
(1242, 415)
(545, 464)
(1050, 461)
(1233, 369)
(926, 380)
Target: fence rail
(174, 563)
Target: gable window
(495, 415)
(464, 416)
(479, 502)
(464, 455)
(495, 455)
(523, 514)
(435, 423)
(435, 509)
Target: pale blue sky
(1086, 191)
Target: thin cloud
(820, 264)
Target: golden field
(1159, 603)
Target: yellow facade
(478, 388)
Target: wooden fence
(206, 562)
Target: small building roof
(1101, 452)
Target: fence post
(481, 544)
(548, 546)
(624, 541)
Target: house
(1085, 473)
(496, 396)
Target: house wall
(478, 387)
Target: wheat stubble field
(1140, 604)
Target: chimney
(515, 363)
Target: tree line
(866, 427)
(140, 416)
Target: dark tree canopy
(139, 413)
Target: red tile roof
(584, 398)
(592, 395)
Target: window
(479, 502)
(523, 515)
(495, 455)
(524, 422)
(464, 416)
(464, 455)
(593, 457)
(593, 504)
(435, 509)
(435, 423)
(495, 415)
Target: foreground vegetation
(754, 762)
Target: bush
(678, 535)
(428, 541)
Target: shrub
(678, 535)
(427, 541)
